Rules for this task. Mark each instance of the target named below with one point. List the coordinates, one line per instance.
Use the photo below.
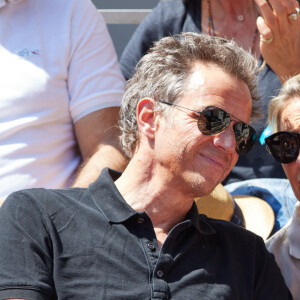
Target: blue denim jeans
(277, 192)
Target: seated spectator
(277, 52)
(61, 88)
(138, 235)
(284, 120)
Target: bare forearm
(106, 156)
(98, 139)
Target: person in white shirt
(61, 88)
(283, 144)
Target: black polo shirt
(90, 244)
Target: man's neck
(233, 9)
(143, 190)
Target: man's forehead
(205, 76)
(209, 84)
(209, 78)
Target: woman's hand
(279, 27)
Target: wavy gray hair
(163, 71)
(289, 90)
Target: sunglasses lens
(245, 137)
(213, 120)
(283, 146)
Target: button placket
(150, 246)
(140, 220)
(160, 286)
(144, 230)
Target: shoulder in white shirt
(285, 245)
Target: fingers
(266, 35)
(263, 28)
(277, 8)
(291, 5)
(286, 14)
(280, 17)
(293, 12)
(266, 12)
(281, 13)
(281, 30)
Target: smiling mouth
(215, 160)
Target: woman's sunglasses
(284, 146)
(213, 120)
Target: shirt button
(140, 220)
(160, 273)
(150, 246)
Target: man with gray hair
(138, 235)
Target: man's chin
(204, 188)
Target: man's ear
(147, 118)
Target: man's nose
(226, 140)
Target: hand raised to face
(279, 27)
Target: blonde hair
(289, 90)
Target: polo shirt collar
(293, 233)
(3, 2)
(108, 199)
(116, 210)
(200, 222)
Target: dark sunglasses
(284, 146)
(213, 120)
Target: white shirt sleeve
(94, 77)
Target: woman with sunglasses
(273, 38)
(284, 120)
